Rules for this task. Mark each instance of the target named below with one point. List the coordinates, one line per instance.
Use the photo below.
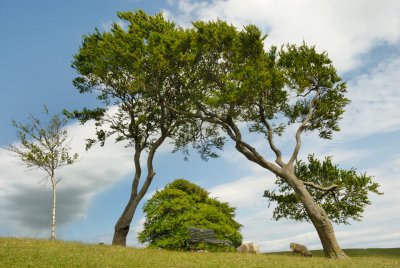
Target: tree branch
(138, 171)
(319, 187)
(302, 127)
(234, 133)
(277, 152)
(150, 169)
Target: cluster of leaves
(342, 193)
(182, 204)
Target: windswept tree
(180, 205)
(133, 71)
(44, 146)
(231, 79)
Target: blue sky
(38, 39)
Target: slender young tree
(231, 79)
(134, 71)
(45, 147)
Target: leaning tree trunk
(53, 215)
(122, 226)
(318, 217)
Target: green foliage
(121, 66)
(182, 204)
(305, 72)
(43, 145)
(230, 77)
(342, 193)
(138, 71)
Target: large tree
(44, 146)
(182, 204)
(132, 71)
(234, 83)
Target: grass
(44, 253)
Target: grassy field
(45, 253)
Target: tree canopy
(342, 193)
(182, 204)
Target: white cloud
(246, 192)
(346, 29)
(375, 99)
(27, 207)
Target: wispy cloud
(375, 102)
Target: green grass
(44, 253)
(355, 253)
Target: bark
(122, 226)
(318, 217)
(53, 215)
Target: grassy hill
(44, 253)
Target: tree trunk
(53, 215)
(122, 226)
(318, 217)
(121, 229)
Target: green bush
(182, 204)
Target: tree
(182, 204)
(343, 194)
(46, 147)
(231, 79)
(132, 71)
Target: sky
(39, 38)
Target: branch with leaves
(342, 193)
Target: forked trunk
(319, 218)
(53, 215)
(122, 226)
(121, 229)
